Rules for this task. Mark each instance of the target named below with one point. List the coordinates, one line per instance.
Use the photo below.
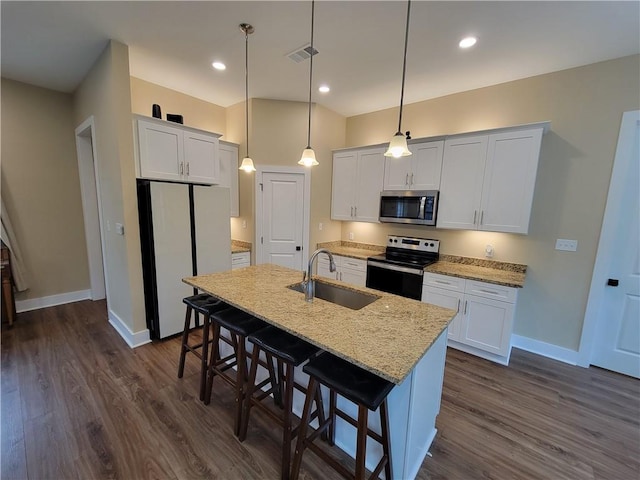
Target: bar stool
(240, 325)
(206, 305)
(289, 352)
(367, 390)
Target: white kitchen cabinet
(357, 183)
(484, 321)
(419, 171)
(229, 173)
(487, 181)
(169, 151)
(240, 260)
(349, 270)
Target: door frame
(90, 191)
(260, 171)
(614, 210)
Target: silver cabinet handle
(411, 182)
(475, 214)
(458, 309)
(352, 211)
(406, 179)
(356, 210)
(465, 307)
(187, 168)
(181, 168)
(481, 216)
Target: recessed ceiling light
(324, 89)
(468, 42)
(219, 66)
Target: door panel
(213, 230)
(201, 158)
(161, 151)
(369, 185)
(426, 164)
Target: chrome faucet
(308, 283)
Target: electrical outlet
(488, 251)
(244, 224)
(320, 226)
(351, 236)
(566, 245)
(119, 229)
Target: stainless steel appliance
(409, 206)
(401, 268)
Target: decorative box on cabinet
(350, 270)
(488, 180)
(419, 171)
(240, 260)
(229, 173)
(170, 151)
(484, 321)
(357, 182)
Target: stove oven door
(396, 279)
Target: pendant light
(308, 158)
(247, 163)
(398, 144)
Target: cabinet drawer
(353, 264)
(443, 281)
(490, 290)
(239, 260)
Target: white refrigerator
(184, 231)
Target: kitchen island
(401, 340)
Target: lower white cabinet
(349, 270)
(240, 260)
(484, 321)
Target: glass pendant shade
(308, 158)
(247, 165)
(398, 147)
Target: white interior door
(282, 219)
(616, 344)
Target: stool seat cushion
(348, 380)
(283, 345)
(238, 321)
(204, 303)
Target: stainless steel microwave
(409, 206)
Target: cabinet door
(202, 164)
(461, 182)
(353, 270)
(161, 151)
(446, 299)
(369, 185)
(426, 165)
(509, 181)
(396, 173)
(228, 155)
(324, 271)
(345, 166)
(487, 324)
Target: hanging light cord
(404, 66)
(310, 74)
(246, 84)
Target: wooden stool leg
(386, 440)
(302, 430)
(361, 445)
(240, 383)
(251, 387)
(286, 436)
(204, 360)
(332, 416)
(212, 362)
(185, 339)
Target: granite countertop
(499, 273)
(238, 246)
(361, 251)
(387, 337)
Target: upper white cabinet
(419, 171)
(229, 173)
(357, 183)
(487, 181)
(168, 151)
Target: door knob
(298, 248)
(613, 282)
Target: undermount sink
(339, 295)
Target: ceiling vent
(301, 54)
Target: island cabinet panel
(487, 181)
(169, 151)
(356, 185)
(484, 320)
(349, 270)
(419, 171)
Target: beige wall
(196, 113)
(41, 190)
(585, 106)
(105, 95)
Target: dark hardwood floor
(77, 402)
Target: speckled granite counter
(387, 337)
(500, 273)
(361, 251)
(238, 246)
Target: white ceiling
(53, 45)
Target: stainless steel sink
(338, 295)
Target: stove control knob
(432, 244)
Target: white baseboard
(548, 350)
(132, 339)
(51, 300)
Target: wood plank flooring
(78, 403)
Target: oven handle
(413, 271)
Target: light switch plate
(566, 245)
